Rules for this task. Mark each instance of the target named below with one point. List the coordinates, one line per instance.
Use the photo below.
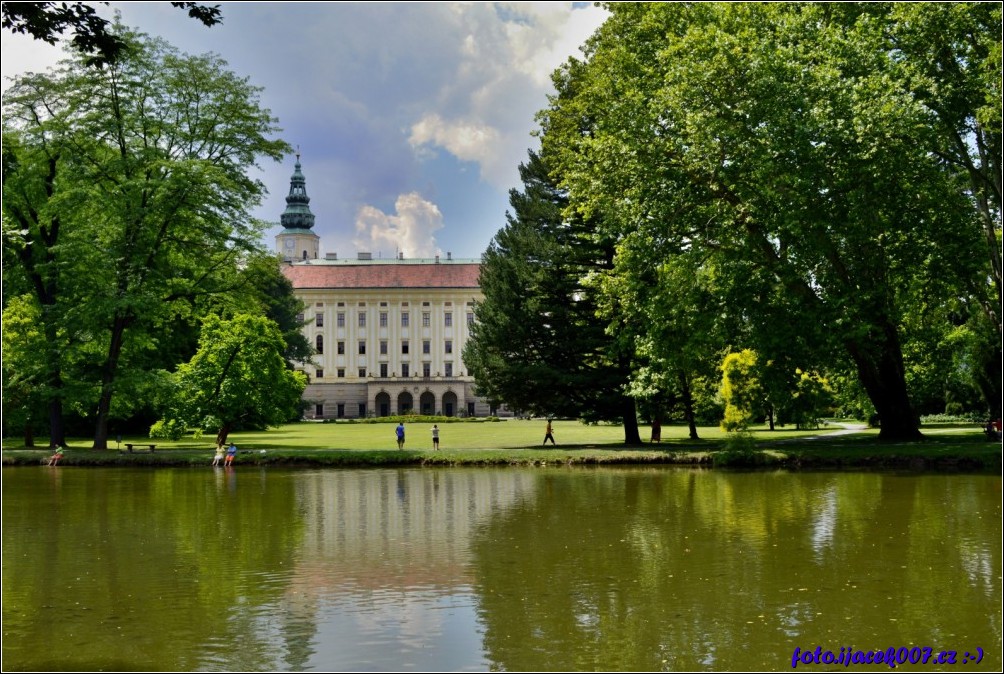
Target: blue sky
(411, 118)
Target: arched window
(320, 343)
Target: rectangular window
(319, 373)
(362, 410)
(470, 318)
(362, 347)
(383, 347)
(426, 369)
(404, 346)
(426, 319)
(449, 346)
(362, 373)
(318, 410)
(341, 348)
(448, 316)
(341, 410)
(319, 319)
(341, 319)
(383, 319)
(383, 370)
(362, 320)
(299, 318)
(404, 369)
(404, 319)
(449, 369)
(426, 346)
(341, 373)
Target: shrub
(739, 449)
(953, 409)
(960, 418)
(169, 430)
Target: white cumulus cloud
(410, 231)
(504, 56)
(465, 139)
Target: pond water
(473, 569)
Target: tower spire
(297, 214)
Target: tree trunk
(107, 377)
(29, 434)
(688, 406)
(57, 433)
(223, 433)
(880, 368)
(54, 384)
(631, 434)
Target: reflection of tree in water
(671, 570)
(201, 554)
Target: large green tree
(536, 343)
(92, 35)
(126, 203)
(784, 145)
(238, 378)
(273, 294)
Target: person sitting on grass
(54, 459)
(993, 429)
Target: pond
(473, 569)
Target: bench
(130, 445)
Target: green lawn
(505, 434)
(518, 442)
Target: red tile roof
(386, 275)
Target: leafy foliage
(802, 158)
(740, 390)
(238, 378)
(126, 206)
(535, 343)
(91, 35)
(812, 398)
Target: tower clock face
(289, 243)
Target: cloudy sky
(411, 118)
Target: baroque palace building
(389, 333)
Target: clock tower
(297, 241)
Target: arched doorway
(383, 404)
(404, 403)
(449, 403)
(427, 403)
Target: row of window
(405, 371)
(405, 319)
(405, 346)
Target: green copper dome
(297, 214)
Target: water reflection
(473, 569)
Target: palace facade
(389, 333)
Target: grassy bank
(513, 442)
